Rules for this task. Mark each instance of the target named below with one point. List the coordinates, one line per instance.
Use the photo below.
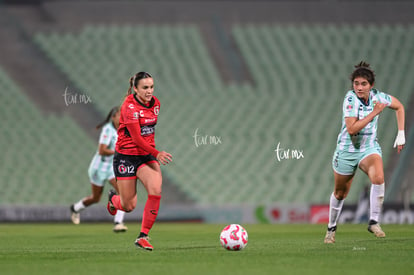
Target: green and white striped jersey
(355, 107)
(108, 137)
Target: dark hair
(363, 70)
(111, 113)
(133, 81)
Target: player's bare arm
(354, 125)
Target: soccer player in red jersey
(136, 156)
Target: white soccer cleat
(376, 229)
(330, 235)
(120, 227)
(75, 216)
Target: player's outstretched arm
(400, 114)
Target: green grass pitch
(192, 248)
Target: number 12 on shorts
(122, 169)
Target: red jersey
(137, 127)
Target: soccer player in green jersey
(357, 146)
(101, 170)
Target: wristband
(400, 139)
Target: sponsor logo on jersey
(131, 106)
(147, 130)
(149, 120)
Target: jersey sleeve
(384, 98)
(131, 115)
(350, 106)
(135, 132)
(106, 136)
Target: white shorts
(98, 177)
(345, 163)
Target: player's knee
(377, 179)
(129, 206)
(340, 194)
(154, 188)
(155, 191)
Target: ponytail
(131, 85)
(111, 113)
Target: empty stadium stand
(300, 76)
(45, 157)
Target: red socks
(150, 213)
(116, 201)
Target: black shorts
(126, 166)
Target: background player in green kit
(101, 169)
(357, 146)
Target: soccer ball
(233, 237)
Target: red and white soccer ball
(233, 237)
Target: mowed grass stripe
(190, 248)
